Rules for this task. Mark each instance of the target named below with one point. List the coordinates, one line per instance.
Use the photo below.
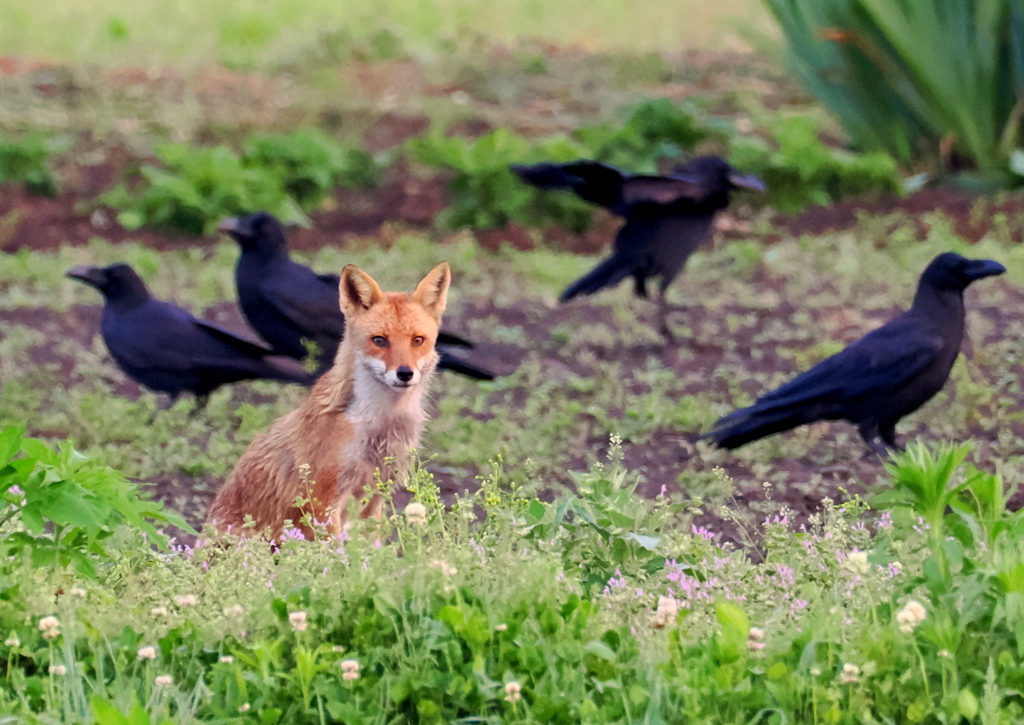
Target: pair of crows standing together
(873, 383)
(167, 350)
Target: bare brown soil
(971, 216)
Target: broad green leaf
(600, 649)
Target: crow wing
(161, 336)
(591, 180)
(309, 301)
(876, 367)
(662, 190)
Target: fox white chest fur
(387, 424)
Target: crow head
(714, 173)
(952, 272)
(118, 282)
(260, 232)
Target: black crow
(167, 350)
(289, 304)
(885, 375)
(667, 217)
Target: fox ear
(357, 291)
(432, 291)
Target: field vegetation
(568, 548)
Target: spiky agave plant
(918, 79)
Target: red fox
(363, 415)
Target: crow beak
(92, 276)
(979, 268)
(747, 181)
(230, 225)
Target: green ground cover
(598, 607)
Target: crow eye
(380, 340)
(417, 341)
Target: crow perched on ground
(287, 303)
(168, 350)
(885, 375)
(667, 217)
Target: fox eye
(417, 341)
(380, 340)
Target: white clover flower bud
(298, 620)
(754, 646)
(77, 592)
(186, 600)
(226, 659)
(500, 627)
(857, 562)
(13, 640)
(244, 707)
(668, 609)
(756, 634)
(850, 674)
(416, 513)
(911, 615)
(917, 610)
(50, 622)
(147, 653)
(513, 691)
(235, 610)
(164, 680)
(158, 611)
(337, 648)
(59, 670)
(350, 669)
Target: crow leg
(163, 404)
(201, 401)
(870, 433)
(640, 285)
(663, 328)
(887, 432)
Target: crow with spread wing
(667, 217)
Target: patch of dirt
(970, 215)
(393, 129)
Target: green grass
(195, 33)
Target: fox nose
(404, 373)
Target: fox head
(393, 333)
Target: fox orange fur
(363, 415)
